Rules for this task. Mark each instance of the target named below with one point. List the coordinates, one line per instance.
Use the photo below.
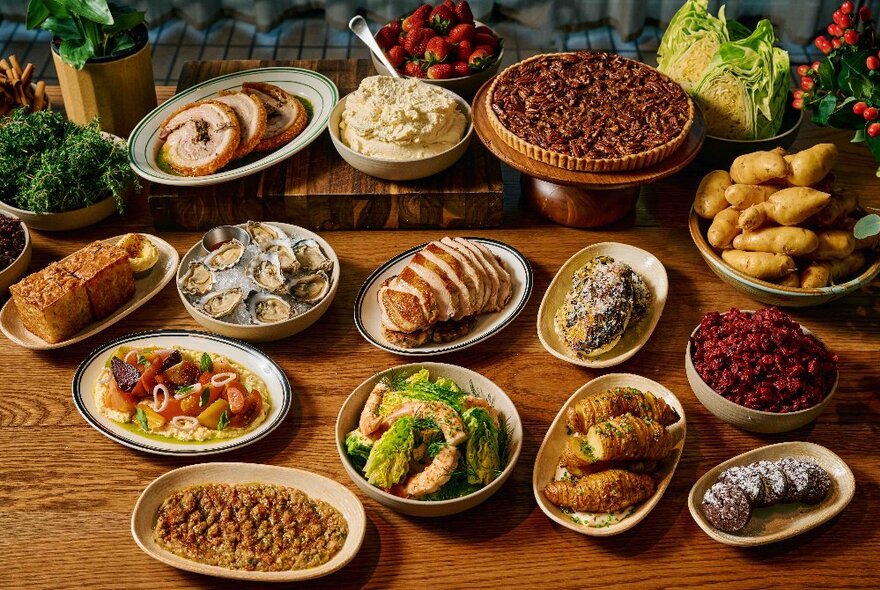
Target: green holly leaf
(860, 136)
(827, 75)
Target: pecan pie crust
(589, 111)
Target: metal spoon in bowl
(359, 27)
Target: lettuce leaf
(388, 462)
(481, 455)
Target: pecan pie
(588, 111)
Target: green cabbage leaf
(690, 42)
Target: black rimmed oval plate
(368, 315)
(92, 370)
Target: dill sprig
(50, 165)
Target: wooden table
(66, 491)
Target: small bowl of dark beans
(15, 251)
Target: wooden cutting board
(317, 189)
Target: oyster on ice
(310, 256)
(263, 233)
(223, 303)
(198, 280)
(266, 272)
(226, 256)
(268, 309)
(310, 288)
(286, 257)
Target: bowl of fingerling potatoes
(774, 228)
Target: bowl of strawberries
(443, 45)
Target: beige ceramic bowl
(264, 332)
(780, 521)
(16, 270)
(146, 510)
(401, 169)
(771, 293)
(349, 415)
(69, 220)
(747, 418)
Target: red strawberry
(461, 69)
(464, 50)
(396, 55)
(480, 58)
(413, 21)
(437, 50)
(485, 48)
(416, 41)
(441, 19)
(485, 39)
(422, 11)
(387, 35)
(449, 4)
(414, 69)
(462, 32)
(463, 12)
(484, 29)
(440, 71)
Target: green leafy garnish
(50, 165)
(223, 422)
(142, 360)
(206, 364)
(141, 418)
(184, 390)
(206, 393)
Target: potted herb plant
(102, 55)
(843, 89)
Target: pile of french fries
(16, 89)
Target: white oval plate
(349, 415)
(143, 518)
(547, 460)
(144, 289)
(368, 316)
(266, 332)
(644, 264)
(144, 144)
(246, 355)
(780, 521)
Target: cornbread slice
(52, 303)
(106, 274)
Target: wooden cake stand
(581, 199)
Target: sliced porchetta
(251, 119)
(286, 116)
(450, 280)
(200, 138)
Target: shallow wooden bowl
(143, 518)
(19, 266)
(747, 418)
(771, 293)
(547, 461)
(645, 264)
(780, 521)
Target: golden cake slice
(106, 274)
(52, 303)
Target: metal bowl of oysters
(258, 281)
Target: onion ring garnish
(221, 379)
(185, 392)
(133, 351)
(186, 423)
(159, 387)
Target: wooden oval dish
(145, 289)
(265, 332)
(368, 317)
(256, 361)
(547, 460)
(645, 264)
(780, 521)
(771, 293)
(143, 517)
(349, 415)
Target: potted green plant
(102, 56)
(843, 89)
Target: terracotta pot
(118, 90)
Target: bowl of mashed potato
(401, 128)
